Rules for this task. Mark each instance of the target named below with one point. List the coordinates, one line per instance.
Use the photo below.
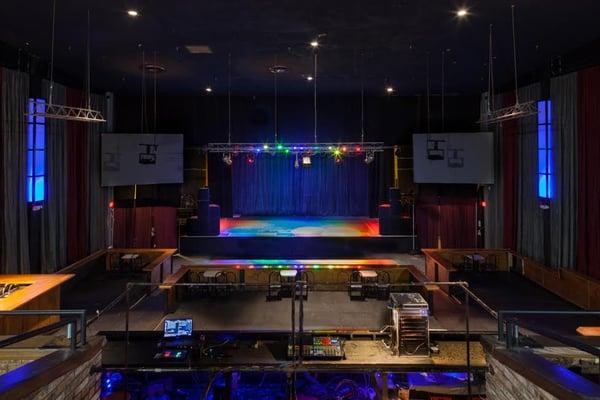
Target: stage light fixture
(314, 44)
(369, 157)
(306, 160)
(227, 159)
(208, 89)
(461, 13)
(389, 90)
(250, 158)
(309, 78)
(337, 158)
(133, 13)
(296, 162)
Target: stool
(211, 275)
(288, 281)
(368, 278)
(274, 290)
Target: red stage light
(358, 149)
(111, 204)
(483, 203)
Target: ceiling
(372, 43)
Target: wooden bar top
(38, 285)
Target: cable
(229, 98)
(362, 100)
(315, 91)
(443, 89)
(491, 91)
(428, 95)
(88, 74)
(275, 101)
(52, 53)
(512, 8)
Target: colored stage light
(306, 161)
(266, 147)
(337, 152)
(279, 147)
(483, 203)
(111, 204)
(250, 158)
(369, 157)
(358, 149)
(227, 159)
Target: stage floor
(295, 226)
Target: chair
(383, 285)
(355, 287)
(274, 289)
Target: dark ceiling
(384, 41)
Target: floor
(294, 226)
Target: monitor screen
(178, 327)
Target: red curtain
(77, 183)
(135, 229)
(510, 168)
(448, 212)
(588, 143)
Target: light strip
(294, 148)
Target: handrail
(302, 284)
(69, 322)
(503, 313)
(72, 324)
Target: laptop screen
(177, 328)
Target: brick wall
(502, 383)
(77, 384)
(12, 358)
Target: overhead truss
(67, 113)
(346, 148)
(517, 111)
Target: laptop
(177, 333)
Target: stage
(295, 226)
(296, 237)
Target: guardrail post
(72, 334)
(83, 324)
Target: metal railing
(508, 329)
(73, 317)
(300, 286)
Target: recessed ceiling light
(208, 89)
(309, 78)
(314, 44)
(389, 89)
(133, 13)
(461, 13)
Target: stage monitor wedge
(141, 159)
(454, 158)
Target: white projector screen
(141, 159)
(454, 158)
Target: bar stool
(383, 285)
(288, 281)
(211, 276)
(368, 279)
(355, 287)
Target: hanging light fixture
(369, 157)
(63, 112)
(276, 70)
(227, 159)
(250, 158)
(516, 111)
(296, 162)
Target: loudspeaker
(396, 208)
(214, 220)
(203, 209)
(203, 194)
(394, 194)
(384, 210)
(196, 226)
(395, 225)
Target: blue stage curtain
(273, 186)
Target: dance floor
(294, 226)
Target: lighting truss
(346, 148)
(67, 113)
(517, 111)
